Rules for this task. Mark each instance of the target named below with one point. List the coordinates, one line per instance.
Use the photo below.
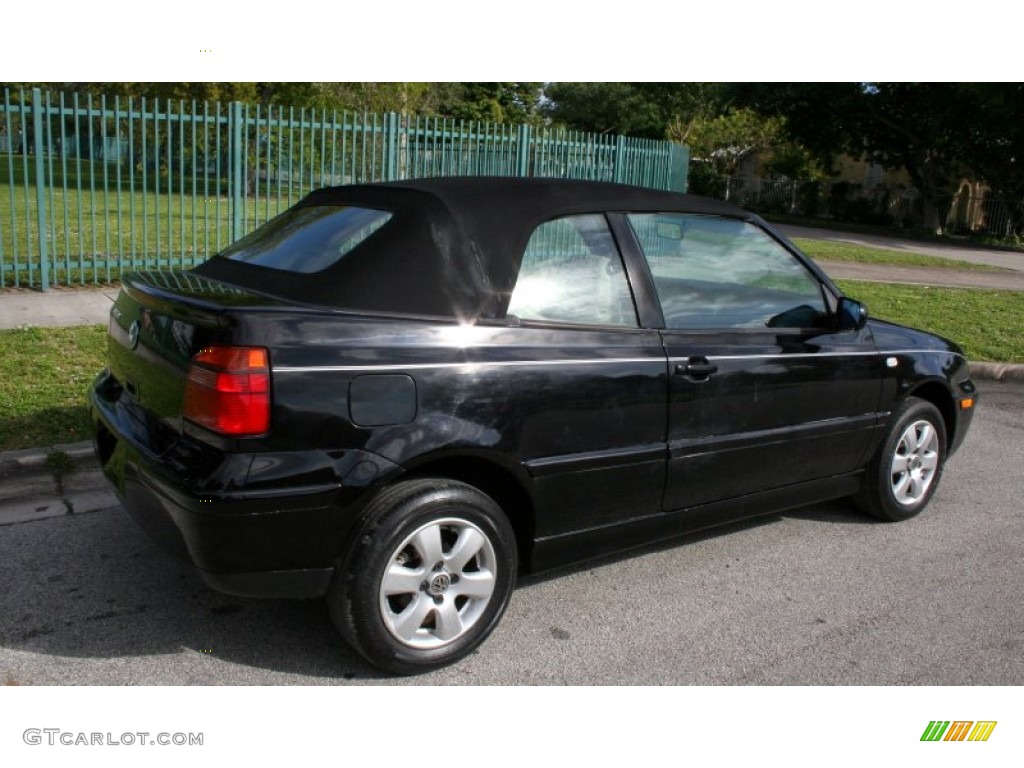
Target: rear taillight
(228, 390)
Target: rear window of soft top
(307, 239)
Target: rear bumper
(256, 524)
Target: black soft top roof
(453, 245)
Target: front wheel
(904, 473)
(427, 579)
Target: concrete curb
(37, 483)
(997, 372)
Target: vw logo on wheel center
(439, 584)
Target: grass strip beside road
(827, 250)
(44, 375)
(45, 372)
(987, 324)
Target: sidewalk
(57, 308)
(990, 256)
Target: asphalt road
(816, 596)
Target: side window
(572, 272)
(715, 272)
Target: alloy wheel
(438, 583)
(914, 462)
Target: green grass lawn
(44, 375)
(95, 234)
(987, 324)
(827, 250)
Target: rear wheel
(904, 473)
(427, 579)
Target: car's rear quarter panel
(576, 417)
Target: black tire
(905, 471)
(449, 554)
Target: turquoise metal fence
(92, 187)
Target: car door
(590, 406)
(764, 390)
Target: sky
(530, 40)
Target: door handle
(697, 369)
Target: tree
(684, 106)
(726, 140)
(497, 102)
(719, 146)
(647, 110)
(494, 102)
(245, 92)
(937, 132)
(404, 98)
(916, 126)
(995, 142)
(605, 108)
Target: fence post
(619, 176)
(391, 147)
(523, 151)
(679, 167)
(37, 145)
(237, 195)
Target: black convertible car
(401, 395)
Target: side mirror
(851, 314)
